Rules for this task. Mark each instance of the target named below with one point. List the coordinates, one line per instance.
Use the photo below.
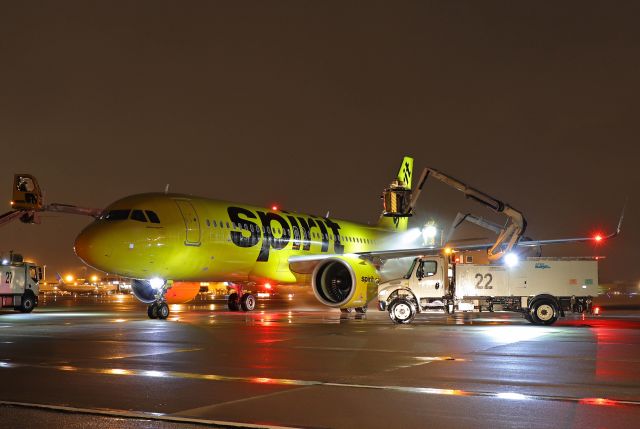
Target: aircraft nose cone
(92, 246)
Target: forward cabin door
(191, 222)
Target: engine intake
(333, 283)
(345, 281)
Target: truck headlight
(383, 293)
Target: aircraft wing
(306, 263)
(400, 253)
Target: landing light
(156, 283)
(511, 259)
(5, 261)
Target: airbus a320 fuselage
(169, 243)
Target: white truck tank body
(13, 279)
(530, 277)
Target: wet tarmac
(99, 362)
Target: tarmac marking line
(152, 354)
(291, 382)
(250, 398)
(141, 415)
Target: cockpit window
(117, 215)
(138, 215)
(153, 217)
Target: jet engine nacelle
(345, 282)
(178, 293)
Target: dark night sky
(313, 105)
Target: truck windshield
(413, 265)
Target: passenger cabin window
(427, 269)
(153, 217)
(138, 215)
(117, 215)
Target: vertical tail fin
(405, 175)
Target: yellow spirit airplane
(169, 243)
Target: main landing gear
(358, 310)
(241, 301)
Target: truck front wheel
(402, 310)
(28, 303)
(544, 312)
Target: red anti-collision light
(267, 286)
(598, 238)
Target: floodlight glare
(511, 259)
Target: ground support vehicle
(542, 289)
(19, 284)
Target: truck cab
(427, 284)
(19, 284)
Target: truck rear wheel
(402, 310)
(544, 311)
(28, 303)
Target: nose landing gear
(159, 309)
